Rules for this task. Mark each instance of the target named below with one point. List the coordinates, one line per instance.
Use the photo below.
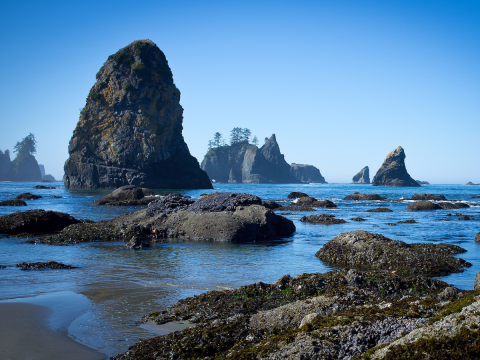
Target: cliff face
(245, 163)
(4, 165)
(307, 173)
(362, 177)
(24, 168)
(130, 131)
(393, 171)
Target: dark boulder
(322, 219)
(358, 219)
(44, 187)
(28, 196)
(312, 202)
(359, 196)
(227, 201)
(422, 206)
(380, 210)
(44, 265)
(393, 171)
(364, 250)
(426, 197)
(407, 222)
(137, 243)
(449, 206)
(130, 130)
(362, 177)
(296, 195)
(272, 205)
(35, 221)
(127, 195)
(307, 173)
(13, 203)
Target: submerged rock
(362, 177)
(28, 196)
(44, 187)
(13, 203)
(312, 202)
(130, 131)
(35, 221)
(448, 206)
(359, 196)
(393, 171)
(307, 173)
(422, 206)
(380, 210)
(407, 222)
(44, 265)
(424, 197)
(322, 219)
(362, 249)
(127, 195)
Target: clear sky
(341, 83)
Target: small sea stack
(393, 171)
(362, 177)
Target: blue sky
(340, 83)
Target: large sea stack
(393, 171)
(24, 168)
(245, 163)
(307, 173)
(363, 176)
(130, 130)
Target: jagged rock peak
(130, 130)
(393, 171)
(362, 177)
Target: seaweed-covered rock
(366, 250)
(312, 202)
(423, 206)
(44, 187)
(13, 203)
(244, 224)
(226, 201)
(362, 177)
(322, 219)
(28, 196)
(393, 171)
(44, 265)
(127, 195)
(168, 204)
(272, 205)
(296, 195)
(380, 210)
(360, 196)
(307, 173)
(426, 197)
(449, 206)
(35, 221)
(130, 130)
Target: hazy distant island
(130, 130)
(242, 162)
(362, 177)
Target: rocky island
(393, 171)
(362, 177)
(130, 130)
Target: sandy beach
(25, 335)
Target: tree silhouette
(255, 141)
(236, 135)
(28, 146)
(217, 139)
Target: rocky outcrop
(28, 196)
(422, 206)
(127, 195)
(312, 202)
(307, 173)
(44, 265)
(13, 203)
(24, 168)
(322, 219)
(43, 187)
(424, 197)
(365, 250)
(48, 178)
(5, 163)
(35, 221)
(477, 238)
(393, 171)
(296, 195)
(245, 163)
(449, 206)
(379, 210)
(363, 176)
(470, 183)
(422, 182)
(130, 130)
(359, 196)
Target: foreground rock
(393, 171)
(35, 221)
(44, 265)
(362, 177)
(307, 173)
(361, 249)
(13, 203)
(127, 195)
(322, 219)
(231, 217)
(130, 130)
(359, 196)
(425, 197)
(334, 315)
(28, 196)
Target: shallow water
(114, 286)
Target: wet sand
(25, 335)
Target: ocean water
(99, 303)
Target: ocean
(99, 303)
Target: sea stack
(307, 173)
(363, 176)
(130, 130)
(393, 171)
